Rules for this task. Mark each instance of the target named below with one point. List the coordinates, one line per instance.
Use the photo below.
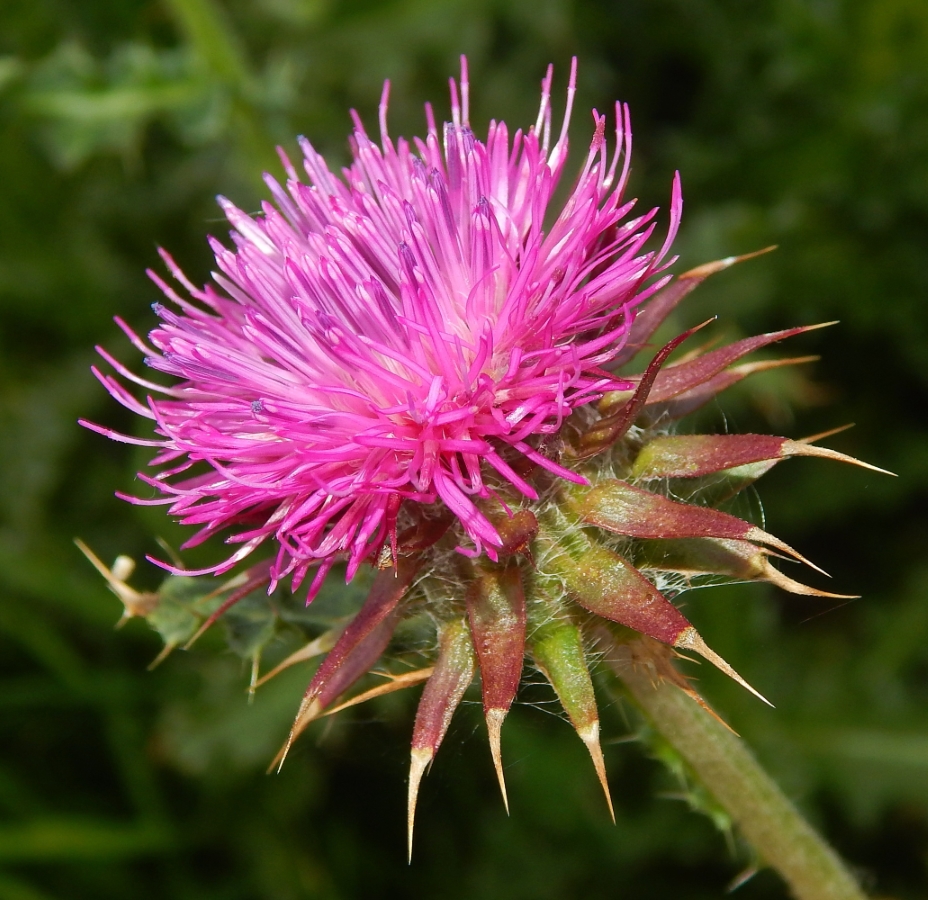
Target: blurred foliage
(797, 122)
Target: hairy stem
(722, 761)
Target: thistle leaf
(135, 603)
(316, 647)
(254, 579)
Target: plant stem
(725, 765)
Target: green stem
(729, 770)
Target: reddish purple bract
(406, 331)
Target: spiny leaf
(316, 647)
(135, 603)
(179, 610)
(254, 578)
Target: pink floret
(394, 334)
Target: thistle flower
(416, 365)
(397, 335)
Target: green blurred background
(797, 122)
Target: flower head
(408, 331)
(391, 358)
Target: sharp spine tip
(774, 576)
(824, 434)
(418, 762)
(495, 718)
(309, 710)
(590, 737)
(759, 536)
(690, 639)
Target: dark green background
(798, 123)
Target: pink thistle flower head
(408, 332)
(401, 346)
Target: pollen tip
(590, 737)
(495, 718)
(418, 763)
